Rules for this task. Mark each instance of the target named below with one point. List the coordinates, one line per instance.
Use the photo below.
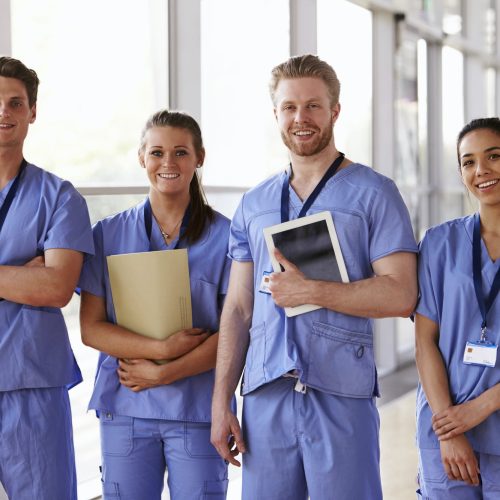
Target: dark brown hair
(201, 211)
(492, 124)
(13, 68)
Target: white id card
(480, 353)
(264, 282)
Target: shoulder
(47, 181)
(268, 187)
(218, 228)
(366, 177)
(441, 233)
(127, 217)
(220, 221)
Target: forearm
(34, 286)
(432, 374)
(120, 342)
(377, 297)
(231, 352)
(199, 360)
(489, 401)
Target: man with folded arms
(44, 234)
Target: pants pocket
(216, 490)
(116, 434)
(197, 441)
(110, 490)
(490, 473)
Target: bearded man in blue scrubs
(44, 234)
(310, 424)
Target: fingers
(285, 263)
(227, 439)
(473, 472)
(463, 469)
(195, 331)
(238, 438)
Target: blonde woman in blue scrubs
(458, 332)
(156, 417)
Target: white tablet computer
(311, 244)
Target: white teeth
(487, 184)
(303, 132)
(169, 176)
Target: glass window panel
(452, 17)
(490, 33)
(353, 130)
(240, 43)
(407, 131)
(490, 91)
(421, 9)
(453, 112)
(405, 339)
(453, 204)
(411, 122)
(103, 70)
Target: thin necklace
(166, 235)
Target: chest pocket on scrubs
(205, 305)
(350, 227)
(341, 362)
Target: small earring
(199, 165)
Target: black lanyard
(148, 221)
(10, 195)
(4, 210)
(285, 193)
(484, 303)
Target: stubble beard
(309, 149)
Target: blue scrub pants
(435, 485)
(136, 451)
(312, 444)
(36, 445)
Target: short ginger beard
(310, 149)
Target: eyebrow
(487, 150)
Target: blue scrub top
(332, 352)
(188, 399)
(47, 212)
(447, 297)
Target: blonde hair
(307, 65)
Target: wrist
(163, 349)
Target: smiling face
(170, 159)
(479, 154)
(305, 115)
(15, 113)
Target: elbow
(62, 299)
(86, 336)
(53, 298)
(407, 304)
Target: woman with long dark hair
(157, 416)
(458, 332)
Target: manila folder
(151, 291)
